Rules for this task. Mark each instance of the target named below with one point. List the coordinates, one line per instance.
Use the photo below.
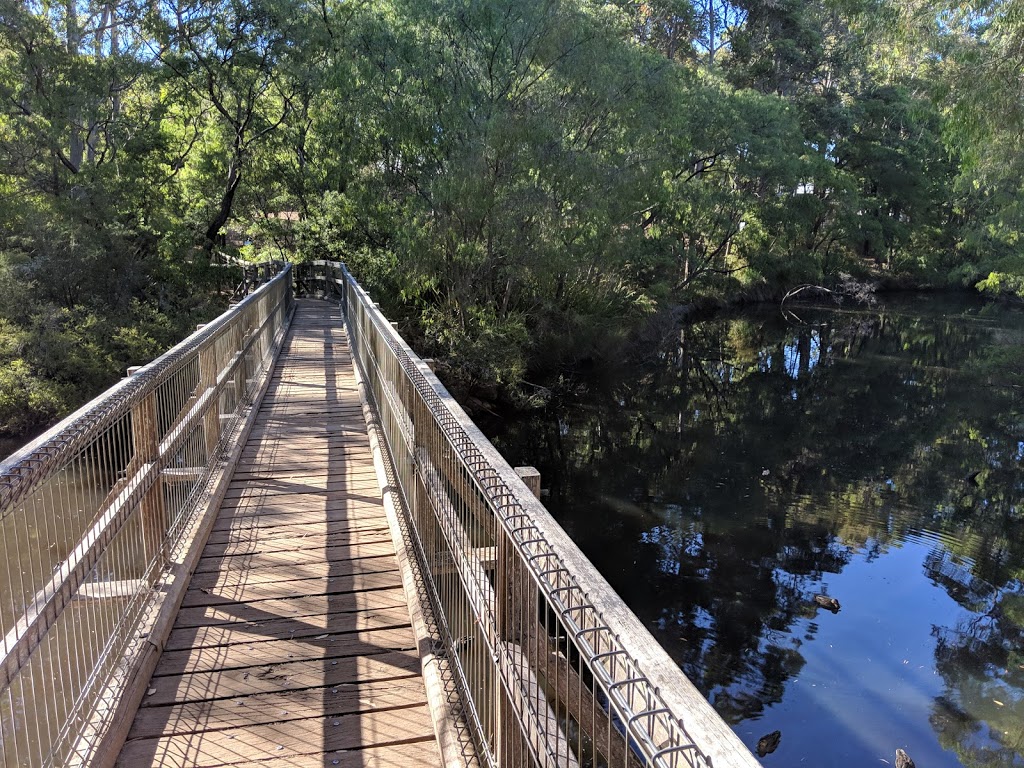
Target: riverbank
(490, 402)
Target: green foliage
(480, 348)
(518, 182)
(26, 400)
(1000, 283)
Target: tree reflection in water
(722, 480)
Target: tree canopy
(518, 181)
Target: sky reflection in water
(725, 478)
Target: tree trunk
(93, 136)
(76, 146)
(115, 103)
(226, 201)
(712, 33)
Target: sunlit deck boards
(293, 646)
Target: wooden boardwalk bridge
(293, 641)
(284, 544)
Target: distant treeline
(519, 181)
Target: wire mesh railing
(92, 514)
(551, 667)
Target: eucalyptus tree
(229, 62)
(514, 147)
(667, 26)
(67, 66)
(717, 21)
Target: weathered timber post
(242, 371)
(230, 394)
(504, 612)
(146, 443)
(241, 333)
(208, 368)
(530, 476)
(422, 511)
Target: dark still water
(873, 455)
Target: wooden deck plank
(287, 567)
(339, 474)
(336, 499)
(273, 741)
(283, 628)
(332, 561)
(234, 590)
(337, 467)
(257, 653)
(249, 539)
(293, 644)
(295, 607)
(252, 534)
(339, 448)
(278, 707)
(282, 676)
(418, 753)
(340, 467)
(346, 415)
(256, 516)
(362, 482)
(273, 440)
(275, 510)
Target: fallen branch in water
(807, 287)
(848, 287)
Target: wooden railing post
(208, 369)
(238, 378)
(422, 512)
(246, 327)
(146, 443)
(530, 476)
(505, 727)
(518, 611)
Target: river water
(724, 478)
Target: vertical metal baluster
(54, 677)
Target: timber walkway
(284, 543)
(293, 642)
